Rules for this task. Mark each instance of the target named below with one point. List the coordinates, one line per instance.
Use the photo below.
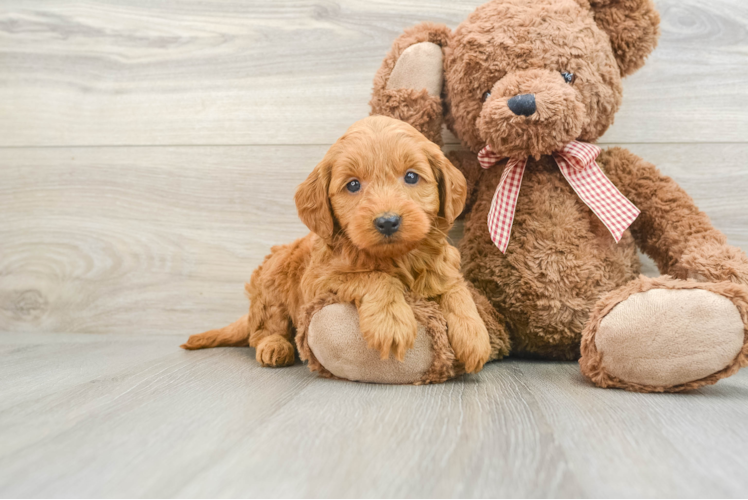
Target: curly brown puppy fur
(561, 260)
(379, 206)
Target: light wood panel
(130, 239)
(75, 72)
(161, 240)
(229, 104)
(134, 416)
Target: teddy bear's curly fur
(564, 282)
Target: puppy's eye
(569, 78)
(353, 186)
(411, 177)
(485, 97)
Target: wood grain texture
(154, 233)
(107, 72)
(133, 416)
(161, 240)
(148, 156)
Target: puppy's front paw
(470, 341)
(275, 351)
(390, 331)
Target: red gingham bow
(576, 161)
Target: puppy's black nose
(523, 105)
(387, 224)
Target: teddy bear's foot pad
(665, 337)
(336, 341)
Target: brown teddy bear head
(528, 76)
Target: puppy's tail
(234, 335)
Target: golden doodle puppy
(379, 206)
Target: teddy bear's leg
(666, 335)
(682, 330)
(330, 340)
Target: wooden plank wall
(149, 150)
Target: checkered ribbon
(576, 161)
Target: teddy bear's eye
(485, 97)
(569, 78)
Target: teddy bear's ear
(633, 27)
(408, 85)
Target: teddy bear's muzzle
(531, 113)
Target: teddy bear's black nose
(387, 224)
(522, 105)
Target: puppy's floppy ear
(452, 185)
(633, 27)
(313, 201)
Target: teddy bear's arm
(671, 229)
(408, 84)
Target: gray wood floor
(148, 156)
(132, 416)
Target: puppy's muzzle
(387, 224)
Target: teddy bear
(552, 222)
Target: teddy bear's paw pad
(666, 337)
(419, 67)
(336, 341)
